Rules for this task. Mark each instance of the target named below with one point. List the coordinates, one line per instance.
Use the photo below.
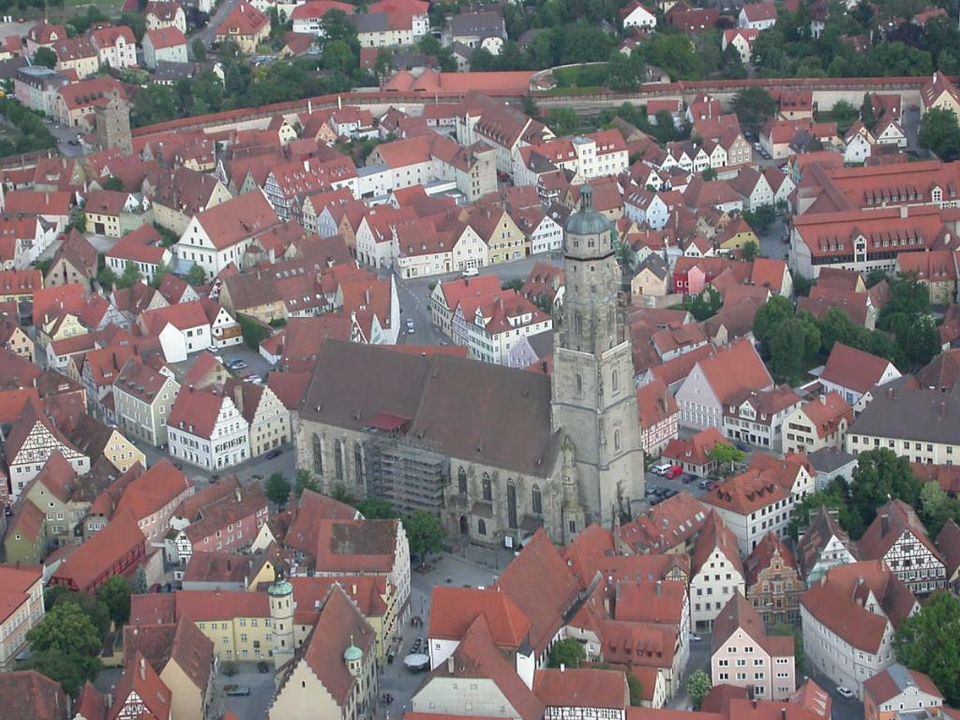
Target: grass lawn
(110, 8)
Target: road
(216, 20)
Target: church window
(536, 500)
(358, 463)
(511, 504)
(578, 323)
(615, 381)
(481, 527)
(338, 458)
(616, 439)
(579, 384)
(487, 488)
(462, 481)
(317, 455)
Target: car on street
(650, 491)
(742, 446)
(660, 469)
(411, 329)
(670, 493)
(687, 479)
(236, 690)
(470, 272)
(844, 692)
(236, 364)
(674, 472)
(274, 454)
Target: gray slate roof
(907, 414)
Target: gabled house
(717, 572)
(774, 584)
(852, 373)
(898, 691)
(816, 424)
(898, 537)
(206, 429)
(824, 545)
(143, 398)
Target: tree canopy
(277, 489)
(940, 133)
(424, 533)
(754, 106)
(930, 643)
(567, 652)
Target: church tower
(594, 400)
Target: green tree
(761, 219)
(834, 496)
(198, 50)
(698, 687)
(867, 116)
(277, 489)
(625, 72)
(45, 57)
(425, 534)
(113, 183)
(338, 57)
(71, 670)
(158, 275)
(138, 585)
(130, 276)
(567, 652)
(78, 222)
(107, 278)
(374, 508)
(750, 251)
(153, 104)
(196, 276)
(115, 594)
(771, 314)
(754, 106)
(305, 481)
(940, 134)
(929, 642)
(675, 55)
(564, 121)
(65, 629)
(844, 114)
(636, 689)
(936, 507)
(705, 305)
(881, 475)
(341, 494)
(788, 346)
(725, 454)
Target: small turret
(282, 606)
(353, 657)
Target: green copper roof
(352, 654)
(280, 588)
(585, 221)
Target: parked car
(470, 272)
(660, 469)
(670, 493)
(742, 446)
(274, 454)
(687, 479)
(411, 329)
(237, 364)
(844, 692)
(705, 484)
(236, 690)
(674, 472)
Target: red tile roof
(140, 687)
(455, 609)
(196, 411)
(739, 614)
(892, 521)
(894, 680)
(734, 369)
(669, 524)
(97, 555)
(166, 37)
(582, 688)
(715, 535)
(695, 450)
(244, 21)
(854, 369)
(28, 695)
(237, 219)
(747, 492)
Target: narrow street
(216, 20)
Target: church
(496, 452)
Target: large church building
(496, 452)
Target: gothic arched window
(578, 323)
(536, 500)
(579, 384)
(512, 504)
(338, 458)
(462, 481)
(616, 439)
(317, 455)
(487, 488)
(358, 463)
(481, 527)
(615, 381)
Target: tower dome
(586, 221)
(353, 654)
(280, 588)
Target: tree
(338, 57)
(569, 653)
(675, 55)
(305, 481)
(930, 643)
(65, 629)
(196, 276)
(725, 454)
(45, 57)
(107, 278)
(636, 689)
(130, 276)
(867, 115)
(771, 314)
(698, 687)
(277, 489)
(424, 533)
(78, 223)
(625, 72)
(198, 50)
(761, 219)
(754, 106)
(564, 121)
(153, 104)
(940, 134)
(709, 174)
(705, 305)
(833, 496)
(881, 475)
(788, 346)
(844, 114)
(750, 251)
(113, 183)
(936, 507)
(138, 585)
(376, 508)
(71, 670)
(341, 494)
(115, 594)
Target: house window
(536, 500)
(462, 481)
(317, 455)
(481, 527)
(338, 458)
(487, 488)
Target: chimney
(904, 211)
(783, 713)
(236, 493)
(450, 665)
(884, 526)
(659, 588)
(143, 669)
(563, 667)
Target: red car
(674, 472)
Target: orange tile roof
(667, 525)
(455, 609)
(715, 535)
(88, 562)
(893, 519)
(582, 688)
(735, 368)
(153, 490)
(854, 369)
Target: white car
(695, 638)
(470, 272)
(845, 692)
